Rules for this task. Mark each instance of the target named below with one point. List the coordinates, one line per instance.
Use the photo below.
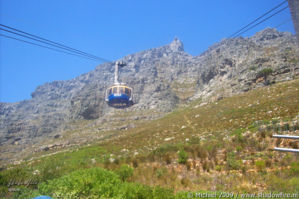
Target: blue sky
(113, 29)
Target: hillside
(64, 114)
(225, 145)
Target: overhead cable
(257, 19)
(51, 43)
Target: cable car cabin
(119, 96)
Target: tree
(264, 73)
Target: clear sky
(113, 29)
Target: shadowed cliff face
(161, 77)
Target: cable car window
(121, 90)
(110, 91)
(127, 91)
(114, 90)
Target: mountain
(66, 113)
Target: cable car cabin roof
(118, 86)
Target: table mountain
(162, 78)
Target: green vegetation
(182, 157)
(264, 73)
(253, 68)
(260, 164)
(232, 163)
(125, 172)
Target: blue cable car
(119, 95)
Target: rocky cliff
(162, 79)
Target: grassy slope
(227, 144)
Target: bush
(231, 161)
(268, 163)
(164, 149)
(3, 180)
(188, 165)
(125, 172)
(264, 73)
(100, 183)
(252, 67)
(135, 163)
(3, 191)
(182, 157)
(167, 158)
(218, 168)
(162, 193)
(206, 166)
(82, 183)
(260, 165)
(283, 185)
(26, 193)
(201, 152)
(294, 168)
(185, 182)
(239, 148)
(160, 172)
(134, 191)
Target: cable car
(119, 95)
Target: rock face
(161, 77)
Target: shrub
(182, 157)
(3, 191)
(116, 161)
(286, 127)
(188, 165)
(206, 166)
(135, 163)
(268, 163)
(82, 183)
(264, 73)
(134, 191)
(162, 193)
(3, 181)
(260, 165)
(231, 161)
(294, 168)
(160, 172)
(293, 144)
(185, 182)
(164, 149)
(278, 141)
(26, 193)
(125, 172)
(239, 148)
(286, 160)
(99, 183)
(252, 67)
(283, 185)
(218, 168)
(238, 137)
(167, 158)
(202, 153)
